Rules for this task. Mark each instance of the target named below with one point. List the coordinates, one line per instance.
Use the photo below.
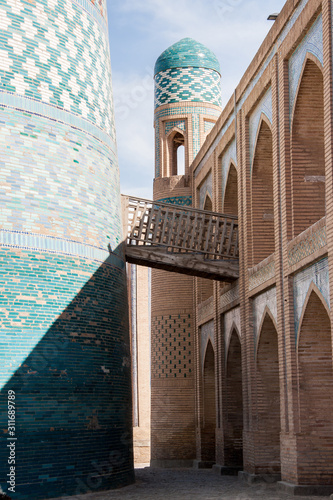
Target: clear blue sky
(139, 31)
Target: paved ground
(190, 484)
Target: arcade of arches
(242, 372)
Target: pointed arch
(205, 286)
(315, 388)
(267, 312)
(233, 424)
(262, 207)
(308, 57)
(230, 200)
(174, 131)
(312, 289)
(263, 119)
(208, 203)
(209, 341)
(233, 328)
(209, 406)
(268, 399)
(175, 139)
(307, 148)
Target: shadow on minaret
(72, 432)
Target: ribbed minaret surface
(187, 105)
(63, 308)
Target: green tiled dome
(187, 53)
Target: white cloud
(140, 31)
(133, 98)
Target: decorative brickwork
(206, 335)
(256, 78)
(265, 271)
(173, 352)
(307, 243)
(230, 296)
(51, 301)
(205, 311)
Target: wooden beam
(193, 264)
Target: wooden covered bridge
(180, 239)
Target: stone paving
(190, 484)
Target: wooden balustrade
(180, 229)
(154, 231)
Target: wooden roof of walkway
(180, 239)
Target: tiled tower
(63, 315)
(187, 104)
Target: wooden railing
(180, 229)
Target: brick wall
(262, 196)
(172, 351)
(307, 150)
(233, 423)
(279, 118)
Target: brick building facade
(261, 346)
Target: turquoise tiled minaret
(187, 105)
(187, 71)
(63, 309)
(187, 94)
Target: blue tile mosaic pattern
(312, 43)
(55, 52)
(317, 274)
(72, 381)
(64, 343)
(187, 84)
(174, 123)
(50, 244)
(265, 107)
(187, 52)
(185, 201)
(62, 164)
